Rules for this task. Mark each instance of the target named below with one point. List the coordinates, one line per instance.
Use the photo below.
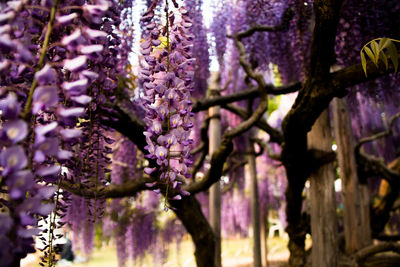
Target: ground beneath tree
(235, 253)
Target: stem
(52, 226)
(50, 25)
(169, 115)
(97, 177)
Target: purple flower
(76, 64)
(95, 35)
(6, 43)
(64, 155)
(13, 159)
(162, 111)
(175, 121)
(75, 88)
(42, 130)
(90, 75)
(90, 49)
(161, 152)
(10, 106)
(156, 127)
(47, 75)
(70, 133)
(70, 112)
(49, 172)
(44, 97)
(149, 171)
(167, 140)
(94, 13)
(171, 94)
(81, 99)
(19, 183)
(45, 192)
(66, 18)
(15, 131)
(26, 233)
(73, 40)
(49, 147)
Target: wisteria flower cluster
(167, 75)
(57, 66)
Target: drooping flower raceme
(167, 76)
(53, 76)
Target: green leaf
(375, 50)
(370, 55)
(384, 43)
(394, 56)
(383, 57)
(364, 62)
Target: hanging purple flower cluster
(200, 47)
(102, 47)
(30, 143)
(57, 66)
(167, 75)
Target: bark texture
(322, 199)
(357, 232)
(215, 189)
(189, 212)
(255, 205)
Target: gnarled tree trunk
(189, 212)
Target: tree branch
(129, 188)
(219, 157)
(242, 95)
(353, 75)
(267, 148)
(204, 143)
(380, 134)
(287, 16)
(373, 166)
(275, 135)
(369, 251)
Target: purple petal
(89, 49)
(49, 171)
(151, 184)
(26, 233)
(82, 99)
(64, 154)
(6, 16)
(73, 39)
(94, 34)
(67, 18)
(90, 75)
(76, 87)
(47, 191)
(15, 130)
(44, 97)
(75, 64)
(9, 106)
(44, 129)
(70, 112)
(46, 75)
(45, 209)
(149, 171)
(13, 159)
(19, 183)
(70, 133)
(177, 197)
